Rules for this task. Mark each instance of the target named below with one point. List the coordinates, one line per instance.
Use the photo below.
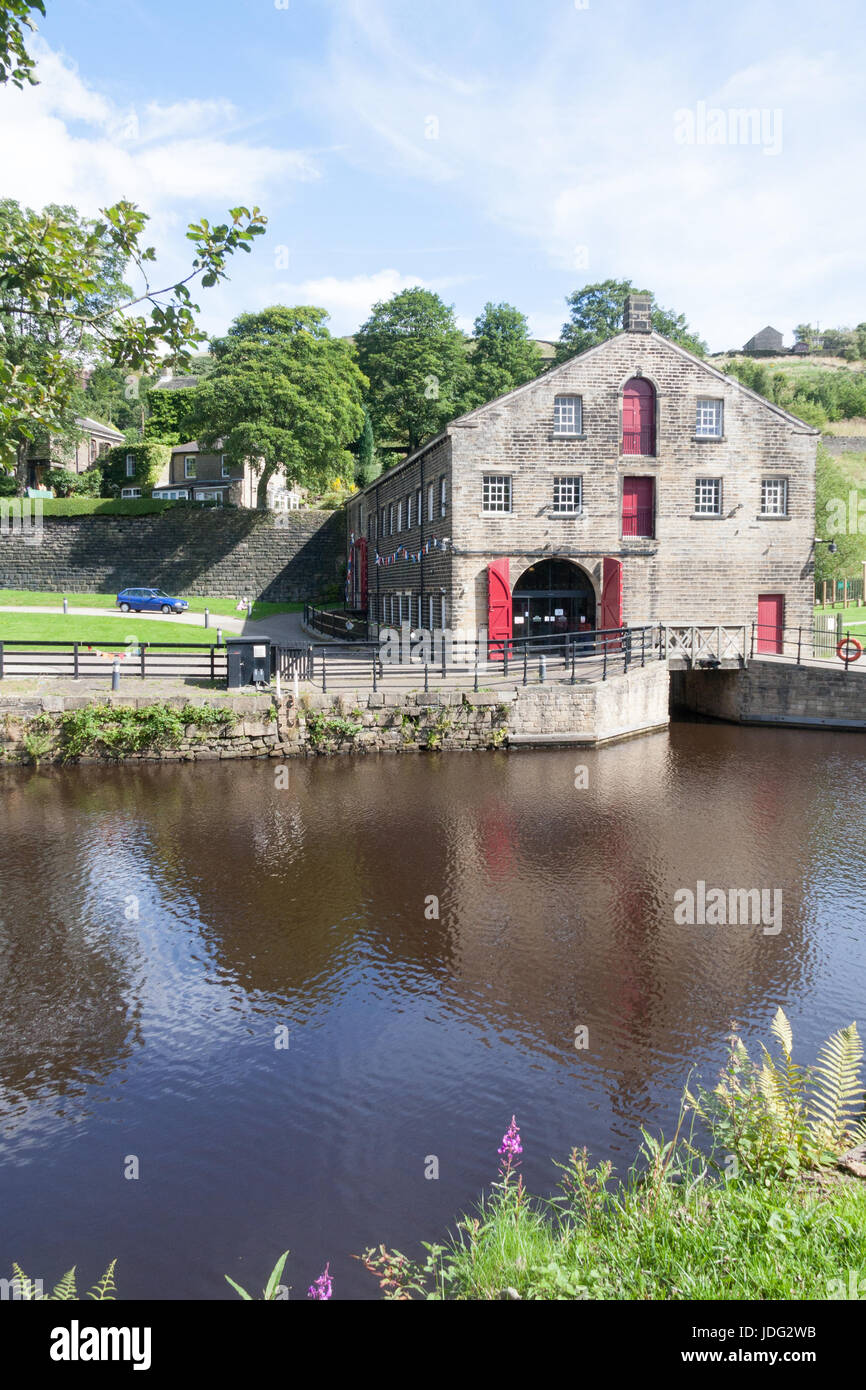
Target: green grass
(55, 627)
(849, 615)
(105, 506)
(17, 598)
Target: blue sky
(489, 150)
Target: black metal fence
(348, 627)
(146, 660)
(827, 640)
(523, 661)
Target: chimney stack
(637, 315)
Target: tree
(284, 391)
(597, 312)
(16, 65)
(368, 465)
(413, 354)
(837, 518)
(502, 356)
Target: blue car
(149, 601)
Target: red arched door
(498, 609)
(639, 417)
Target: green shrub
(150, 459)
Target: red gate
(498, 609)
(771, 623)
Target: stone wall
(223, 553)
(768, 692)
(362, 722)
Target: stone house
(95, 440)
(769, 340)
(200, 476)
(633, 484)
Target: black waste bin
(248, 660)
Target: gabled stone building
(635, 483)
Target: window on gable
(710, 418)
(774, 497)
(568, 494)
(708, 497)
(567, 414)
(189, 467)
(130, 466)
(496, 492)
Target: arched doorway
(639, 417)
(551, 598)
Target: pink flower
(322, 1287)
(511, 1145)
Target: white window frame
(568, 415)
(431, 501)
(226, 468)
(130, 492)
(430, 612)
(189, 466)
(708, 497)
(409, 512)
(399, 516)
(390, 518)
(443, 496)
(709, 417)
(567, 485)
(130, 466)
(779, 486)
(419, 505)
(496, 489)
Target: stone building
(633, 484)
(768, 340)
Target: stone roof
(84, 422)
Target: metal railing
(639, 523)
(145, 660)
(642, 441)
(840, 646)
(348, 626)
(568, 657)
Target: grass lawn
(55, 627)
(850, 616)
(14, 598)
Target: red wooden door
(639, 417)
(362, 571)
(611, 594)
(638, 517)
(498, 609)
(771, 623)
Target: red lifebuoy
(849, 642)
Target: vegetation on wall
(150, 459)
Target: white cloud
(348, 300)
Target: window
(419, 510)
(226, 470)
(443, 496)
(638, 417)
(130, 492)
(568, 494)
(430, 612)
(496, 492)
(399, 609)
(130, 466)
(443, 612)
(399, 517)
(382, 531)
(567, 415)
(371, 527)
(638, 507)
(382, 608)
(431, 493)
(390, 518)
(189, 468)
(420, 619)
(409, 512)
(708, 497)
(710, 416)
(774, 497)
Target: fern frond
(65, 1289)
(837, 1095)
(781, 1030)
(27, 1289)
(105, 1290)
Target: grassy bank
(72, 627)
(32, 598)
(766, 1209)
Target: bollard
(295, 686)
(207, 617)
(219, 636)
(249, 608)
(65, 604)
(115, 674)
(542, 668)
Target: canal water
(242, 992)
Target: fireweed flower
(510, 1147)
(322, 1287)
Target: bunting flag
(113, 656)
(414, 556)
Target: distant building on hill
(768, 341)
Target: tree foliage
(284, 391)
(150, 459)
(368, 465)
(597, 313)
(16, 21)
(502, 356)
(413, 354)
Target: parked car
(149, 601)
